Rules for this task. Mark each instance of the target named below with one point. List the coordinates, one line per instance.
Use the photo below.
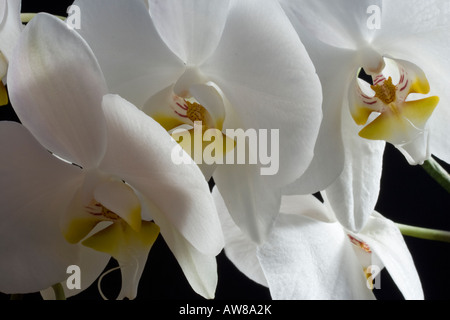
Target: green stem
(435, 170)
(26, 17)
(59, 291)
(424, 233)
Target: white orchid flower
(227, 64)
(10, 28)
(403, 46)
(123, 177)
(310, 255)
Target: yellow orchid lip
(118, 237)
(113, 201)
(195, 128)
(3, 95)
(399, 120)
(126, 235)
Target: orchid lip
(399, 119)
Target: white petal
(199, 269)
(91, 263)
(252, 201)
(191, 28)
(257, 41)
(136, 62)
(354, 194)
(10, 26)
(307, 206)
(142, 156)
(386, 241)
(56, 87)
(238, 247)
(307, 259)
(434, 64)
(36, 189)
(418, 18)
(340, 23)
(439, 145)
(416, 151)
(335, 68)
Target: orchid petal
(251, 200)
(439, 144)
(199, 269)
(355, 192)
(192, 29)
(142, 157)
(417, 18)
(136, 62)
(307, 206)
(307, 259)
(324, 169)
(259, 40)
(91, 264)
(340, 23)
(239, 248)
(386, 241)
(63, 85)
(36, 188)
(10, 26)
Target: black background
(408, 195)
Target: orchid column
(403, 46)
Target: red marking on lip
(184, 107)
(360, 244)
(378, 79)
(181, 115)
(404, 87)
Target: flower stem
(438, 173)
(59, 291)
(424, 233)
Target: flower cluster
(129, 110)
